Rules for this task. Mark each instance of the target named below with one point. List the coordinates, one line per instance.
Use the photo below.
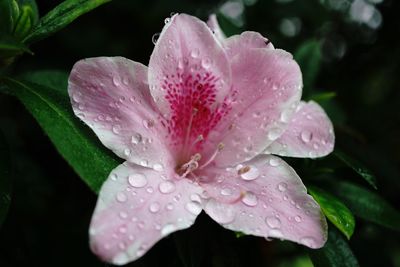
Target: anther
(243, 170)
(213, 156)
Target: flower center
(187, 170)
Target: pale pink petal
(266, 89)
(309, 134)
(189, 77)
(111, 95)
(265, 197)
(215, 28)
(247, 40)
(137, 207)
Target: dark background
(51, 207)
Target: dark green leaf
(334, 210)
(6, 22)
(368, 205)
(5, 179)
(308, 55)
(358, 167)
(25, 22)
(335, 253)
(55, 79)
(51, 108)
(61, 16)
(10, 47)
(323, 96)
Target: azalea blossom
(201, 128)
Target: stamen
(190, 166)
(213, 156)
(188, 131)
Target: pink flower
(198, 130)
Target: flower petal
(309, 134)
(247, 40)
(189, 77)
(266, 88)
(137, 207)
(273, 202)
(111, 95)
(215, 28)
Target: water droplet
(274, 162)
(114, 176)
(273, 222)
(137, 180)
(154, 207)
(121, 197)
(116, 129)
(149, 190)
(167, 20)
(282, 187)
(206, 63)
(193, 207)
(123, 215)
(169, 206)
(167, 229)
(251, 174)
(286, 115)
(148, 123)
(226, 191)
(125, 80)
(144, 162)
(166, 187)
(158, 167)
(250, 199)
(180, 64)
(77, 97)
(127, 152)
(297, 218)
(195, 197)
(155, 37)
(195, 53)
(116, 80)
(274, 133)
(306, 136)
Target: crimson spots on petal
(194, 112)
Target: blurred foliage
(349, 56)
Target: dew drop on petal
(167, 229)
(136, 139)
(251, 174)
(158, 167)
(297, 218)
(155, 37)
(166, 187)
(250, 199)
(193, 207)
(154, 207)
(226, 191)
(137, 180)
(116, 80)
(274, 162)
(127, 152)
(273, 222)
(116, 129)
(206, 63)
(121, 197)
(195, 53)
(282, 187)
(306, 136)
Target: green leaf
(61, 16)
(335, 253)
(5, 179)
(55, 79)
(358, 167)
(323, 96)
(10, 47)
(308, 56)
(6, 22)
(368, 205)
(25, 22)
(335, 211)
(75, 142)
